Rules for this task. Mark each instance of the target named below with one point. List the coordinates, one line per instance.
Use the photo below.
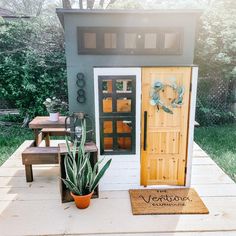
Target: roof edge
(61, 11)
(121, 11)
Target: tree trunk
(111, 2)
(40, 7)
(90, 4)
(81, 4)
(101, 3)
(66, 4)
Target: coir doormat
(166, 201)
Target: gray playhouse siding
(85, 63)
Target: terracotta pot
(54, 116)
(82, 202)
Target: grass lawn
(11, 138)
(220, 143)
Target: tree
(89, 4)
(216, 56)
(216, 44)
(25, 7)
(32, 65)
(66, 4)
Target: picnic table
(44, 128)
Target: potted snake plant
(81, 177)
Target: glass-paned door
(117, 114)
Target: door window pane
(123, 105)
(124, 143)
(117, 114)
(110, 40)
(123, 126)
(123, 86)
(130, 40)
(90, 40)
(107, 104)
(150, 41)
(108, 144)
(107, 127)
(107, 86)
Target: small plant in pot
(54, 106)
(81, 177)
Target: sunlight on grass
(220, 143)
(10, 139)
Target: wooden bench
(47, 132)
(37, 156)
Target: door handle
(127, 121)
(145, 131)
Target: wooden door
(164, 158)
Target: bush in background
(215, 55)
(213, 102)
(207, 116)
(32, 65)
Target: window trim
(120, 32)
(117, 116)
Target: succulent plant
(54, 105)
(81, 177)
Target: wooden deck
(35, 208)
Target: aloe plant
(81, 177)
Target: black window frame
(120, 34)
(115, 116)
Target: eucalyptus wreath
(155, 96)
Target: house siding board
(85, 63)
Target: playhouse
(133, 73)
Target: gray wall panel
(85, 63)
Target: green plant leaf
(68, 146)
(81, 177)
(100, 175)
(68, 169)
(74, 148)
(166, 109)
(71, 186)
(95, 168)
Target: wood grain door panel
(165, 157)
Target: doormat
(166, 201)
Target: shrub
(207, 116)
(32, 65)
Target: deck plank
(111, 217)
(219, 218)
(219, 233)
(35, 208)
(42, 193)
(203, 161)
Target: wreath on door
(155, 96)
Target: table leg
(47, 140)
(29, 173)
(37, 137)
